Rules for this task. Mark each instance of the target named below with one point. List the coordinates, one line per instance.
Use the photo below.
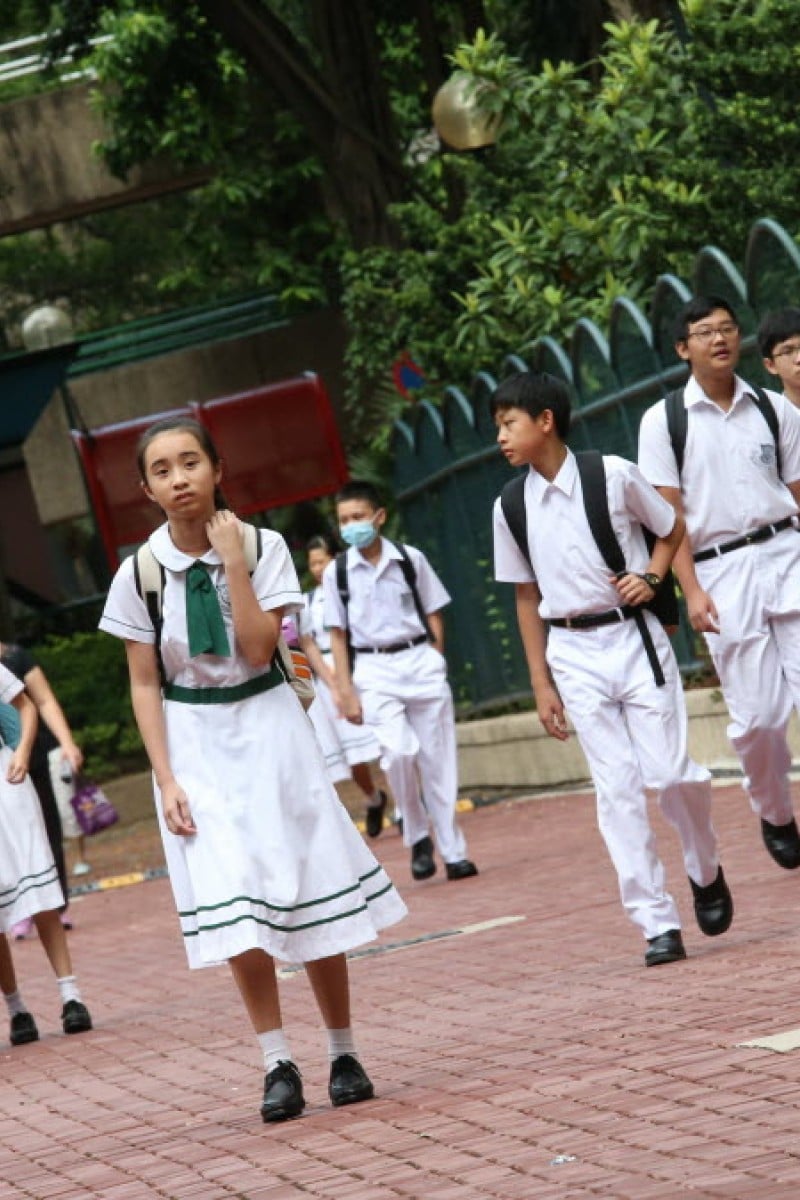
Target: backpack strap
(512, 503)
(343, 588)
(678, 422)
(767, 410)
(592, 472)
(677, 425)
(150, 578)
(410, 575)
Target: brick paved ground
(533, 1058)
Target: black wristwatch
(653, 580)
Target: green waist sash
(223, 695)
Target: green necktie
(204, 621)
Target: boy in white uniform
(398, 682)
(739, 564)
(779, 342)
(587, 657)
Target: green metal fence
(448, 470)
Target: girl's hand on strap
(225, 535)
(175, 807)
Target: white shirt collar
(563, 482)
(168, 554)
(388, 551)
(694, 394)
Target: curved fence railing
(448, 470)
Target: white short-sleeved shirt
(571, 573)
(125, 614)
(10, 686)
(381, 610)
(729, 482)
(311, 621)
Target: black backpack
(678, 421)
(410, 575)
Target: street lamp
(47, 326)
(458, 116)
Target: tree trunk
(344, 109)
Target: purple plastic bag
(93, 810)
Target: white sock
(376, 799)
(14, 1003)
(68, 986)
(341, 1041)
(274, 1047)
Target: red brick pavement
(534, 1059)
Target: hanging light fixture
(457, 114)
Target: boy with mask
(383, 609)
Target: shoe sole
(352, 1097)
(664, 958)
(424, 874)
(25, 1038)
(77, 1027)
(271, 1115)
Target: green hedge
(88, 673)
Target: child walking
(589, 655)
(263, 860)
(29, 885)
(348, 749)
(398, 685)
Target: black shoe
(422, 861)
(375, 816)
(666, 948)
(783, 843)
(75, 1017)
(283, 1093)
(23, 1029)
(713, 905)
(463, 869)
(349, 1082)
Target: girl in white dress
(348, 749)
(29, 885)
(263, 859)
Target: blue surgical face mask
(358, 533)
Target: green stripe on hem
(50, 871)
(202, 908)
(224, 695)
(23, 891)
(353, 912)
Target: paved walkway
(518, 1045)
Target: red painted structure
(279, 444)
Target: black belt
(395, 647)
(762, 534)
(591, 620)
(628, 612)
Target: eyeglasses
(787, 351)
(708, 332)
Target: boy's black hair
(776, 327)
(360, 489)
(697, 309)
(535, 392)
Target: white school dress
(342, 742)
(28, 877)
(276, 862)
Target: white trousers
(407, 703)
(342, 743)
(634, 737)
(757, 657)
